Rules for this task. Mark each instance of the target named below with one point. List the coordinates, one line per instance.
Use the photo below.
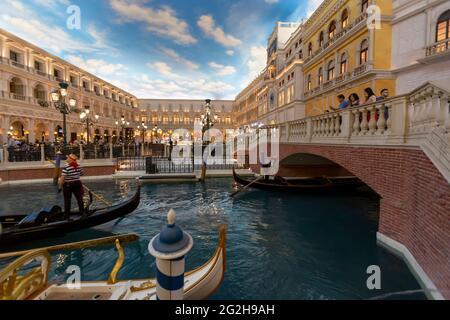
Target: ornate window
(332, 30)
(344, 63)
(364, 53)
(309, 84)
(344, 19)
(330, 73)
(321, 39)
(320, 75)
(443, 27)
(310, 50)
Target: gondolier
(70, 183)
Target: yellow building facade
(342, 55)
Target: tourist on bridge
(369, 96)
(343, 103)
(384, 95)
(70, 183)
(354, 100)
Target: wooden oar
(126, 238)
(99, 197)
(246, 187)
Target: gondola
(305, 185)
(199, 283)
(15, 231)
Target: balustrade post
(381, 124)
(356, 124)
(309, 128)
(5, 155)
(364, 122)
(331, 125)
(111, 150)
(372, 123)
(347, 124)
(42, 153)
(81, 152)
(398, 118)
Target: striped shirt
(71, 174)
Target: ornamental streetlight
(85, 116)
(123, 124)
(208, 121)
(59, 101)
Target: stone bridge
(400, 148)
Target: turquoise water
(280, 246)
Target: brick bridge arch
(414, 204)
(415, 198)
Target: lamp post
(143, 128)
(59, 101)
(85, 116)
(208, 121)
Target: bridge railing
(419, 119)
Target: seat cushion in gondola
(46, 215)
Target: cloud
(24, 22)
(208, 26)
(312, 6)
(162, 68)
(52, 4)
(176, 57)
(222, 70)
(230, 52)
(162, 21)
(257, 61)
(99, 67)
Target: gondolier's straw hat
(73, 157)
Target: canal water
(280, 246)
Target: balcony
(16, 96)
(74, 85)
(42, 74)
(438, 48)
(58, 79)
(360, 70)
(331, 42)
(17, 64)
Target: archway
(17, 130)
(106, 136)
(40, 132)
(59, 134)
(97, 135)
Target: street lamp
(59, 101)
(85, 116)
(208, 121)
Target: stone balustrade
(420, 119)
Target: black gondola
(305, 185)
(13, 232)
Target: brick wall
(48, 173)
(415, 204)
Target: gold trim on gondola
(15, 287)
(113, 276)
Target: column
(170, 248)
(32, 135)
(2, 46)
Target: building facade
(28, 76)
(420, 43)
(163, 117)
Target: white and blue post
(169, 248)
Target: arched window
(16, 86)
(310, 50)
(321, 39)
(443, 27)
(309, 83)
(330, 72)
(344, 63)
(320, 76)
(332, 30)
(364, 5)
(344, 19)
(364, 53)
(39, 92)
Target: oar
(125, 238)
(246, 187)
(99, 197)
